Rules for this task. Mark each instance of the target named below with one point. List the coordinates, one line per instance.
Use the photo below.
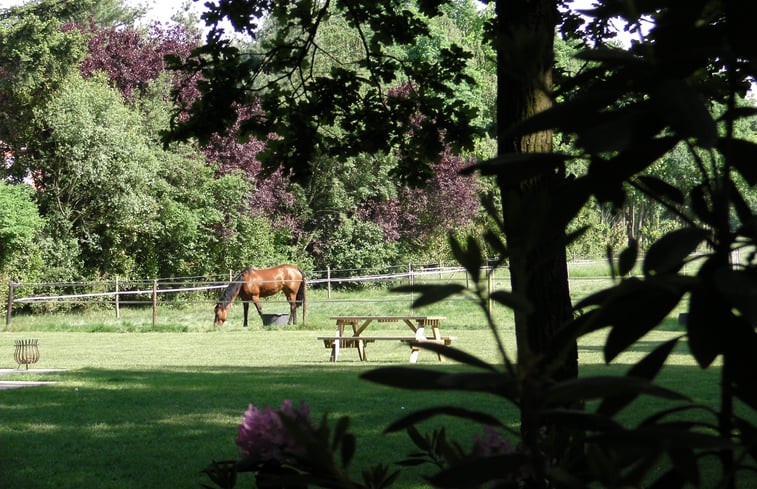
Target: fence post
(9, 311)
(490, 286)
(118, 306)
(411, 283)
(328, 281)
(154, 302)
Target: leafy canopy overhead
(374, 100)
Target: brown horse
(252, 284)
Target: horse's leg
(292, 298)
(246, 306)
(256, 300)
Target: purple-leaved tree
(448, 202)
(132, 60)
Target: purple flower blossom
(490, 443)
(263, 436)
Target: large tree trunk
(526, 30)
(538, 266)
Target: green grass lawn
(148, 407)
(138, 410)
(152, 409)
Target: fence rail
(158, 287)
(121, 291)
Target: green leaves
(706, 309)
(516, 302)
(353, 110)
(36, 56)
(222, 473)
(646, 369)
(724, 297)
(628, 110)
(342, 440)
(513, 168)
(627, 258)
(628, 162)
(90, 137)
(667, 255)
(685, 111)
(379, 476)
(19, 222)
(662, 190)
(431, 294)
(424, 414)
(587, 388)
(741, 155)
(633, 308)
(470, 257)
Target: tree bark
(525, 41)
(538, 262)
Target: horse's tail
(302, 295)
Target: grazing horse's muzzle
(221, 315)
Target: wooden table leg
(437, 336)
(336, 346)
(357, 331)
(420, 335)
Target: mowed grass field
(148, 406)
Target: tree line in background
(89, 189)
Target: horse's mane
(232, 291)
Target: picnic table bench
(358, 340)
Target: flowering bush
(285, 449)
(491, 442)
(272, 442)
(264, 438)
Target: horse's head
(221, 315)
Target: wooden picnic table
(358, 340)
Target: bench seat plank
(351, 341)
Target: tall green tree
(39, 48)
(20, 225)
(95, 170)
(36, 55)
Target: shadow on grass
(159, 428)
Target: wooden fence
(120, 291)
